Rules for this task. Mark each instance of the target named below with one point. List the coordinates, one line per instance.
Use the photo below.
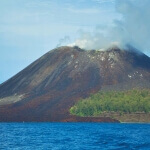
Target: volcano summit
(50, 86)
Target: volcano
(50, 86)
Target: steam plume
(133, 28)
(63, 41)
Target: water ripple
(74, 136)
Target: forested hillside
(131, 101)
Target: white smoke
(63, 41)
(133, 28)
(95, 40)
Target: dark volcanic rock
(45, 90)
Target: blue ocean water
(74, 136)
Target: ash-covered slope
(45, 90)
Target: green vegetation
(123, 102)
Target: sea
(74, 136)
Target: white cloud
(104, 1)
(84, 11)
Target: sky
(30, 28)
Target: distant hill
(50, 86)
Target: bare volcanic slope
(46, 89)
